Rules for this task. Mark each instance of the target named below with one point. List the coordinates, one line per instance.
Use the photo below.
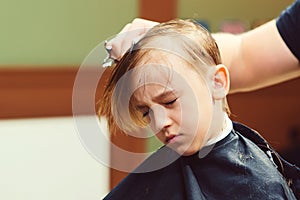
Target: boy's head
(172, 81)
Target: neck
(220, 126)
(223, 133)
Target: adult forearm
(257, 58)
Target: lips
(171, 138)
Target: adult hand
(130, 33)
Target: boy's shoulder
(290, 172)
(235, 161)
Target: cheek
(205, 110)
(193, 111)
(204, 105)
(197, 114)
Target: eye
(145, 114)
(171, 102)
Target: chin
(187, 151)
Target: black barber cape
(234, 168)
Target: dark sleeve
(288, 25)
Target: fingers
(131, 32)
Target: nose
(160, 118)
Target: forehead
(160, 66)
(153, 69)
(153, 92)
(163, 72)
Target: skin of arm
(257, 58)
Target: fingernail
(108, 47)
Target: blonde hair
(188, 40)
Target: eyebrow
(164, 95)
(158, 97)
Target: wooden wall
(47, 91)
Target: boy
(177, 88)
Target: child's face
(177, 102)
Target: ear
(220, 87)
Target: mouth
(171, 139)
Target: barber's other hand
(131, 32)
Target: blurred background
(43, 43)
